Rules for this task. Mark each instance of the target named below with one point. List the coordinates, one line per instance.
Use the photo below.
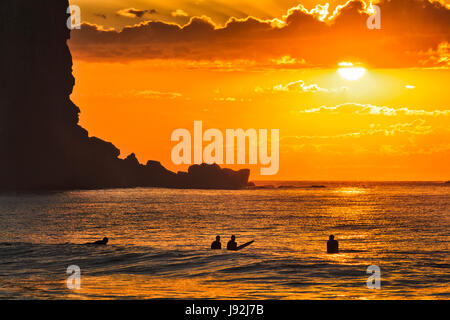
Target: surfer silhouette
(216, 244)
(332, 245)
(100, 242)
(232, 245)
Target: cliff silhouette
(43, 147)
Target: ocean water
(160, 239)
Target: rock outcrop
(42, 146)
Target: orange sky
(135, 87)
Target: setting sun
(350, 72)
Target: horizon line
(349, 181)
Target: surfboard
(244, 245)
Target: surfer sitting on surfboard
(332, 245)
(216, 244)
(232, 245)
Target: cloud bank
(414, 33)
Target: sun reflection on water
(351, 191)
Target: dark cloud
(135, 13)
(411, 35)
